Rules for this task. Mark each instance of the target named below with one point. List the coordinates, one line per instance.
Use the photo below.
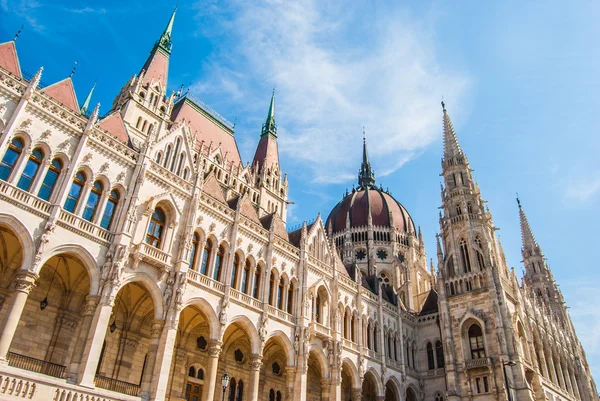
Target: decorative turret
(366, 175)
(86, 103)
(156, 67)
(274, 191)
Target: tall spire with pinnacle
(86, 105)
(529, 242)
(366, 176)
(451, 145)
(269, 127)
(156, 66)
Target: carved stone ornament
(250, 246)
(45, 136)
(255, 361)
(3, 108)
(199, 220)
(87, 158)
(121, 177)
(239, 242)
(25, 282)
(212, 227)
(25, 125)
(104, 167)
(65, 146)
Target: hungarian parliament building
(142, 259)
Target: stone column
(325, 388)
(82, 330)
(212, 362)
(380, 398)
(290, 376)
(255, 364)
(162, 366)
(356, 394)
(22, 286)
(93, 343)
(151, 359)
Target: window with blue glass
(205, 257)
(156, 228)
(10, 158)
(75, 192)
(194, 250)
(31, 169)
(91, 205)
(50, 179)
(109, 210)
(218, 264)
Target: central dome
(385, 210)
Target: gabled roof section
(9, 59)
(248, 210)
(207, 126)
(274, 220)
(113, 123)
(64, 92)
(295, 237)
(431, 304)
(213, 188)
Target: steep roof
(207, 128)
(267, 153)
(9, 59)
(64, 92)
(213, 188)
(278, 227)
(113, 123)
(431, 304)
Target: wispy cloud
(337, 68)
(87, 10)
(583, 191)
(26, 10)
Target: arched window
(200, 374)
(375, 338)
(31, 169)
(369, 345)
(278, 396)
(430, 358)
(256, 289)
(290, 298)
(480, 260)
(192, 372)
(10, 158)
(109, 210)
(476, 342)
(271, 395)
(50, 179)
(464, 252)
(175, 152)
(205, 257)
(318, 308)
(239, 394)
(194, 250)
(245, 278)
(156, 228)
(353, 328)
(158, 157)
(232, 390)
(144, 126)
(271, 288)
(186, 173)
(139, 121)
(439, 354)
(218, 264)
(167, 156)
(234, 270)
(346, 325)
(75, 192)
(180, 166)
(89, 212)
(280, 301)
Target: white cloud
(583, 191)
(336, 68)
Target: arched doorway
(391, 391)
(46, 337)
(348, 383)
(410, 394)
(369, 387)
(190, 362)
(314, 375)
(125, 363)
(273, 371)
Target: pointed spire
(451, 145)
(366, 176)
(529, 242)
(86, 104)
(269, 126)
(165, 39)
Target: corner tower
(143, 102)
(272, 185)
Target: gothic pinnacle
(529, 242)
(451, 145)
(86, 104)
(366, 176)
(269, 126)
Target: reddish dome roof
(382, 206)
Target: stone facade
(141, 259)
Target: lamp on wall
(44, 302)
(225, 383)
(504, 365)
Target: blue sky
(519, 80)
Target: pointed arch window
(476, 342)
(10, 158)
(167, 156)
(451, 271)
(280, 293)
(218, 264)
(194, 250)
(175, 152)
(181, 160)
(158, 157)
(245, 277)
(50, 179)
(318, 308)
(439, 354)
(256, 289)
(205, 257)
(464, 252)
(75, 192)
(156, 228)
(271, 288)
(91, 206)
(109, 210)
(234, 270)
(346, 318)
(232, 389)
(290, 298)
(31, 169)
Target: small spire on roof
(366, 176)
(451, 145)
(73, 70)
(86, 104)
(18, 33)
(269, 127)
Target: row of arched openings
(33, 168)
(435, 359)
(173, 159)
